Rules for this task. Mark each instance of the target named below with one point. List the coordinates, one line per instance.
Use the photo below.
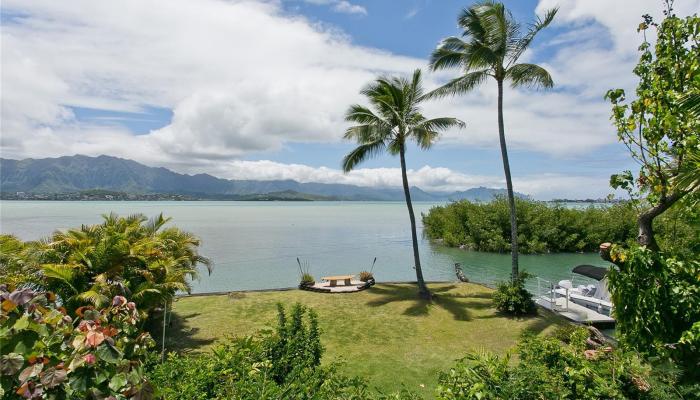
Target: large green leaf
(108, 353)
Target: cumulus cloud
(341, 6)
(245, 77)
(438, 179)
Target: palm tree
(393, 119)
(490, 47)
(131, 256)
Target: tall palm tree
(490, 47)
(388, 124)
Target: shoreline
(284, 289)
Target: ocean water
(254, 245)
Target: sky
(246, 89)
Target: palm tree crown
(490, 46)
(394, 118)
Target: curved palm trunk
(422, 288)
(509, 187)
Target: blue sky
(257, 89)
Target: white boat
(584, 298)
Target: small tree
(660, 127)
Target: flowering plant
(49, 354)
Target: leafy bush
(47, 355)
(550, 369)
(512, 297)
(657, 304)
(366, 276)
(544, 228)
(18, 265)
(131, 256)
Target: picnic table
(334, 279)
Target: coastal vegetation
(49, 354)
(123, 256)
(553, 227)
(490, 47)
(76, 306)
(388, 125)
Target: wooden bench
(334, 279)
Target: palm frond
(691, 104)
(440, 124)
(362, 153)
(362, 115)
(460, 85)
(688, 179)
(93, 297)
(530, 75)
(523, 43)
(427, 131)
(448, 54)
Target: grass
(385, 334)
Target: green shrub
(512, 297)
(549, 369)
(657, 305)
(126, 256)
(18, 265)
(284, 363)
(545, 227)
(48, 355)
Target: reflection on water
(254, 245)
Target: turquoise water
(254, 245)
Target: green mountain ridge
(79, 173)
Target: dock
(574, 312)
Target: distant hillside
(73, 174)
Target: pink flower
(90, 358)
(118, 301)
(131, 305)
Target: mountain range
(81, 173)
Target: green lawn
(385, 334)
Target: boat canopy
(591, 271)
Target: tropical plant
(660, 127)
(307, 279)
(129, 256)
(46, 354)
(366, 276)
(512, 297)
(657, 304)
(493, 45)
(18, 266)
(550, 369)
(392, 120)
(553, 227)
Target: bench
(334, 279)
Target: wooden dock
(574, 312)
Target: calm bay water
(254, 245)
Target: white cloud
(341, 6)
(428, 178)
(245, 77)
